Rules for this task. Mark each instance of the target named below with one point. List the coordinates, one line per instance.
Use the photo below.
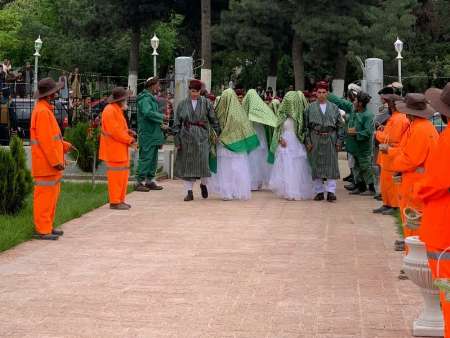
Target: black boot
(349, 178)
(204, 190)
(370, 192)
(381, 209)
(57, 232)
(331, 197)
(140, 187)
(351, 186)
(189, 197)
(319, 197)
(360, 188)
(46, 237)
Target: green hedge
(86, 139)
(15, 178)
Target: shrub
(85, 137)
(15, 179)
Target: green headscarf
(257, 110)
(293, 105)
(237, 134)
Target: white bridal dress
(232, 180)
(259, 167)
(291, 173)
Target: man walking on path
(47, 154)
(323, 139)
(115, 141)
(195, 123)
(150, 135)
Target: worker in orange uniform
(411, 157)
(434, 191)
(47, 154)
(115, 141)
(391, 134)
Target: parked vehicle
(16, 117)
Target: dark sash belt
(201, 124)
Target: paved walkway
(262, 268)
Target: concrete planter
(430, 322)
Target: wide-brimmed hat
(391, 97)
(415, 104)
(440, 99)
(118, 94)
(47, 87)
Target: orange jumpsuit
(392, 134)
(434, 192)
(114, 144)
(410, 159)
(47, 151)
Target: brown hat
(391, 97)
(47, 87)
(151, 81)
(440, 99)
(415, 104)
(195, 84)
(118, 94)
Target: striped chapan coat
(324, 132)
(192, 137)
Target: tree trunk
(133, 65)
(206, 43)
(298, 62)
(341, 64)
(273, 70)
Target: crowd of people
(238, 143)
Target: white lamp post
(399, 48)
(37, 47)
(155, 44)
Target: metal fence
(17, 103)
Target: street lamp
(399, 48)
(37, 47)
(155, 45)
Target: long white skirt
(232, 180)
(291, 173)
(259, 167)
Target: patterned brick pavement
(262, 268)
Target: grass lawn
(75, 200)
(398, 224)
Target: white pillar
(272, 82)
(184, 72)
(338, 87)
(206, 78)
(374, 78)
(132, 82)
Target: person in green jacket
(150, 135)
(359, 140)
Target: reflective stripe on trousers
(47, 183)
(46, 193)
(117, 168)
